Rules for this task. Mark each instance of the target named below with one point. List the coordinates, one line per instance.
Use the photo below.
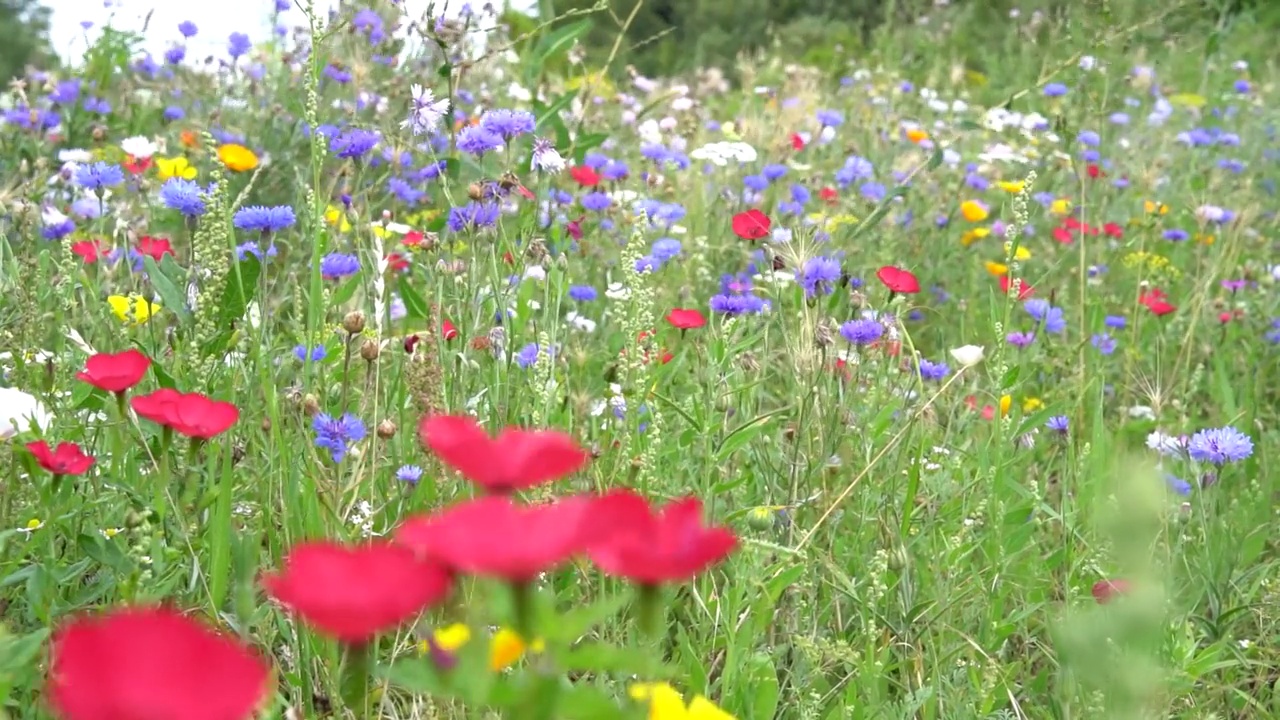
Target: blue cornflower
(664, 249)
(1055, 90)
(173, 113)
(614, 170)
(1177, 484)
(1020, 339)
(773, 172)
(1220, 446)
(583, 293)
(1089, 138)
(477, 141)
(1176, 234)
(472, 216)
(183, 196)
(800, 194)
(254, 248)
(1059, 424)
(337, 434)
(862, 332)
(58, 230)
(66, 92)
(1104, 343)
(175, 54)
(738, 304)
(830, 118)
(354, 142)
(187, 28)
(264, 219)
(338, 265)
(99, 175)
(508, 124)
(873, 191)
(756, 183)
(596, 201)
(410, 474)
(933, 371)
(1115, 321)
(238, 44)
(407, 193)
(1044, 313)
(819, 276)
(87, 208)
(527, 356)
(647, 263)
(317, 353)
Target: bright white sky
(216, 19)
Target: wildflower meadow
(427, 367)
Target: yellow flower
(332, 215)
(1031, 405)
(134, 307)
(975, 78)
(666, 703)
(840, 220)
(997, 269)
(1006, 401)
(1155, 208)
(972, 236)
(1204, 239)
(1022, 253)
(177, 167)
(1061, 206)
(34, 524)
(237, 158)
(505, 648)
(973, 211)
(917, 136)
(1009, 186)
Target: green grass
(900, 556)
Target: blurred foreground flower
(153, 663)
(666, 703)
(515, 460)
(967, 355)
(133, 308)
(506, 646)
(20, 412)
(237, 158)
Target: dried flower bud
(266, 424)
(310, 404)
(353, 323)
(370, 350)
(386, 429)
(475, 191)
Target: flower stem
(651, 615)
(522, 601)
(356, 670)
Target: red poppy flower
(898, 280)
(1063, 235)
(136, 166)
(67, 459)
(115, 372)
(448, 331)
(515, 460)
(355, 593)
(1094, 171)
(1113, 230)
(829, 195)
(91, 251)
(397, 262)
(1025, 290)
(494, 537)
(1104, 591)
(412, 239)
(797, 141)
(584, 176)
(157, 248)
(651, 548)
(686, 319)
(190, 414)
(751, 225)
(1156, 301)
(153, 663)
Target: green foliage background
(676, 36)
(24, 37)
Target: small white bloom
(579, 322)
(75, 155)
(518, 92)
(968, 355)
(1142, 412)
(139, 147)
(1088, 62)
(19, 412)
(617, 291)
(535, 272)
(427, 111)
(546, 158)
(681, 104)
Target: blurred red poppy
(66, 459)
(686, 319)
(898, 280)
(751, 225)
(515, 460)
(115, 372)
(651, 547)
(190, 414)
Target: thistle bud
(386, 429)
(370, 350)
(310, 405)
(353, 323)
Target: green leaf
(763, 678)
(347, 290)
(742, 435)
(1010, 377)
(603, 658)
(87, 397)
(587, 143)
(559, 41)
(21, 650)
(571, 625)
(104, 552)
(552, 111)
(173, 298)
(163, 377)
(415, 306)
(242, 286)
(935, 160)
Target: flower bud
(310, 404)
(353, 323)
(266, 424)
(386, 430)
(370, 350)
(761, 518)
